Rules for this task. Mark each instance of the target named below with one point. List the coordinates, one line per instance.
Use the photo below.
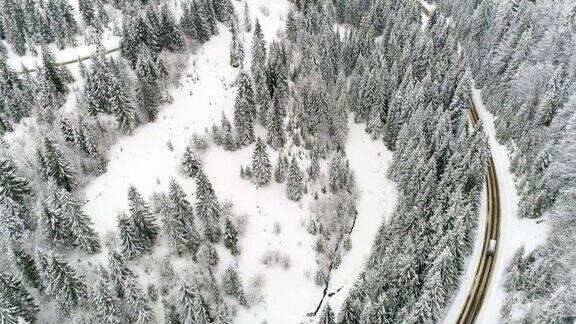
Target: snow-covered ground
(514, 231)
(369, 161)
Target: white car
(491, 247)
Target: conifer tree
(190, 162)
(233, 285)
(57, 166)
(8, 312)
(106, 304)
(244, 110)
(327, 316)
(63, 282)
(258, 49)
(12, 184)
(231, 237)
(207, 207)
(146, 227)
(236, 46)
(12, 290)
(148, 89)
(137, 304)
(191, 307)
(170, 36)
(280, 169)
(121, 106)
(173, 227)
(54, 227)
(88, 13)
(275, 121)
(52, 72)
(132, 245)
(295, 185)
(119, 272)
(25, 265)
(261, 167)
(79, 223)
(67, 130)
(183, 211)
(247, 19)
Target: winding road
(485, 268)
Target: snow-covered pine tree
(12, 290)
(231, 237)
(64, 283)
(106, 304)
(119, 272)
(294, 185)
(192, 308)
(24, 264)
(145, 222)
(182, 210)
(232, 285)
(80, 225)
(244, 110)
(261, 167)
(12, 184)
(137, 303)
(57, 166)
(121, 106)
(258, 49)
(280, 169)
(170, 36)
(132, 245)
(207, 207)
(191, 162)
(88, 13)
(247, 19)
(173, 227)
(67, 130)
(236, 46)
(52, 72)
(276, 136)
(148, 90)
(327, 316)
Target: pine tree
(8, 312)
(244, 110)
(136, 302)
(79, 223)
(106, 304)
(25, 265)
(52, 72)
(236, 46)
(88, 13)
(170, 36)
(121, 106)
(291, 27)
(295, 185)
(258, 49)
(184, 213)
(231, 237)
(192, 308)
(132, 245)
(148, 93)
(207, 207)
(54, 227)
(14, 292)
(247, 19)
(350, 312)
(233, 285)
(173, 227)
(190, 162)
(280, 169)
(261, 166)
(146, 227)
(12, 184)
(327, 316)
(275, 121)
(63, 282)
(57, 166)
(12, 218)
(119, 272)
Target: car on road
(491, 247)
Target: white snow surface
(514, 231)
(144, 160)
(370, 161)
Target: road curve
(485, 269)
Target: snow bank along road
(485, 268)
(475, 298)
(76, 60)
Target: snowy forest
(287, 161)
